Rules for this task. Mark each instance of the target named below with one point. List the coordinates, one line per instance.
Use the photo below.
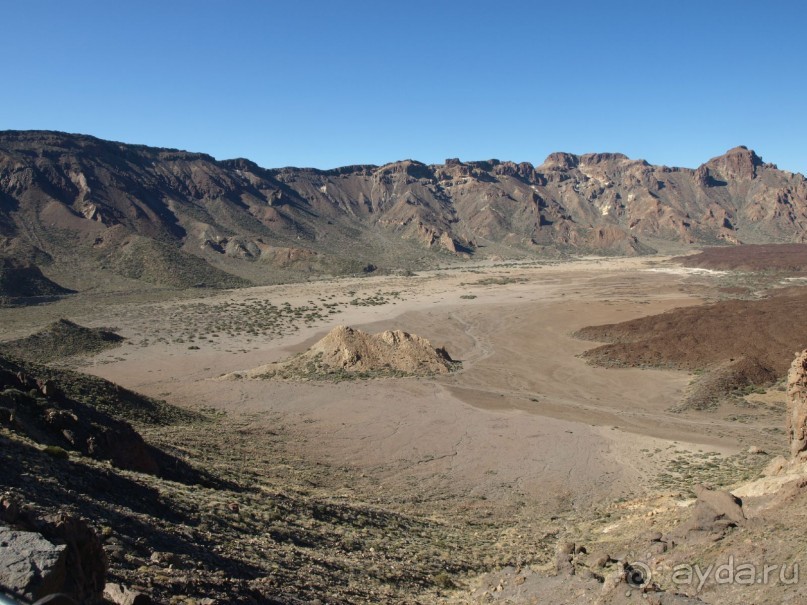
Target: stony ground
(256, 524)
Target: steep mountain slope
(182, 219)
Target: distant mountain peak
(737, 163)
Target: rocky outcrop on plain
(347, 352)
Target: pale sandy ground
(524, 423)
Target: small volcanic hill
(349, 353)
(23, 280)
(61, 339)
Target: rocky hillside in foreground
(184, 219)
(102, 488)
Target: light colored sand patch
(686, 271)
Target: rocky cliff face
(797, 404)
(118, 207)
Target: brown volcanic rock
(739, 163)
(797, 404)
(86, 559)
(695, 337)
(714, 513)
(346, 351)
(787, 258)
(739, 342)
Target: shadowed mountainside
(60, 410)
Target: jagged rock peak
(561, 159)
(737, 163)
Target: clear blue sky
(329, 83)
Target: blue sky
(345, 82)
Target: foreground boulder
(43, 555)
(121, 595)
(31, 566)
(715, 512)
(86, 560)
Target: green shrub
(56, 452)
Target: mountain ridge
(113, 208)
(588, 157)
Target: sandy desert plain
(524, 446)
